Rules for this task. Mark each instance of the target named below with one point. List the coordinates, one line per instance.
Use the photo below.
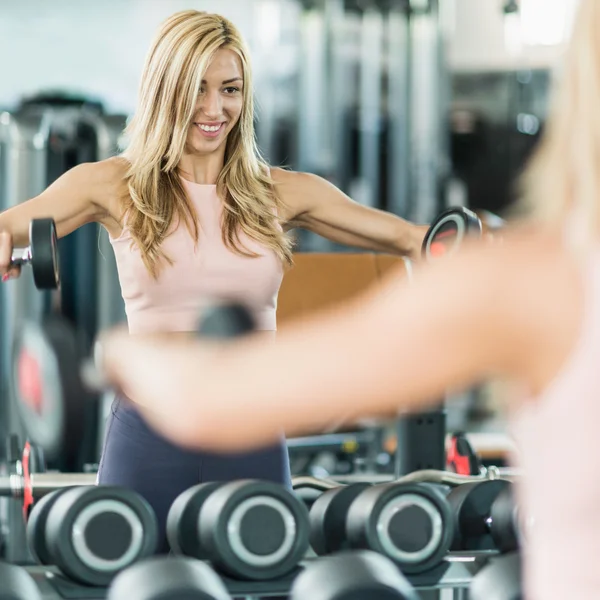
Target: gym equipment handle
(20, 256)
(43, 483)
(423, 476)
(305, 481)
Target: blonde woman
(192, 211)
(527, 311)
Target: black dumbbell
(92, 533)
(248, 529)
(504, 521)
(448, 231)
(42, 254)
(485, 516)
(36, 527)
(499, 579)
(354, 575)
(159, 578)
(451, 227)
(17, 584)
(182, 520)
(51, 376)
(409, 523)
(328, 518)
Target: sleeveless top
(201, 273)
(556, 437)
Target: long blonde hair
(175, 65)
(562, 180)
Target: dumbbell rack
(53, 585)
(420, 443)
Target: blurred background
(410, 106)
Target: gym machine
(23, 174)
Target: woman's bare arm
(74, 199)
(511, 311)
(86, 193)
(316, 205)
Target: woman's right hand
(6, 248)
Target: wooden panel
(320, 280)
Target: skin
(399, 348)
(90, 192)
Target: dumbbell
(92, 533)
(354, 575)
(451, 227)
(499, 579)
(248, 529)
(409, 523)
(17, 584)
(42, 254)
(159, 578)
(51, 376)
(485, 516)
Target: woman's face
(219, 104)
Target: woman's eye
(232, 90)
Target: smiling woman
(193, 212)
(195, 120)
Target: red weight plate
(46, 387)
(437, 249)
(27, 486)
(29, 380)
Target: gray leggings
(137, 458)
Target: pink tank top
(201, 273)
(556, 435)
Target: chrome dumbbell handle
(42, 483)
(20, 256)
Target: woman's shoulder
(296, 184)
(288, 178)
(297, 189)
(111, 171)
(104, 176)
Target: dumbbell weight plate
(164, 578)
(225, 321)
(17, 584)
(95, 532)
(36, 527)
(448, 231)
(182, 520)
(44, 253)
(409, 523)
(504, 525)
(46, 387)
(471, 505)
(254, 530)
(356, 575)
(328, 518)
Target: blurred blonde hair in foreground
(561, 185)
